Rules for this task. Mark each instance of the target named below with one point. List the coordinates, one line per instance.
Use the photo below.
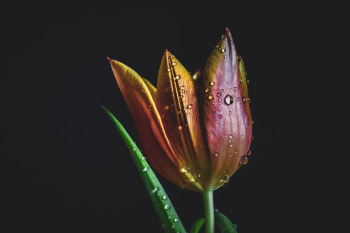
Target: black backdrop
(66, 169)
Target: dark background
(66, 169)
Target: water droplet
(218, 94)
(243, 160)
(235, 152)
(212, 83)
(145, 169)
(168, 69)
(230, 112)
(225, 56)
(185, 169)
(248, 100)
(235, 225)
(178, 77)
(230, 155)
(249, 152)
(216, 154)
(210, 97)
(143, 158)
(252, 138)
(235, 88)
(230, 136)
(176, 219)
(210, 131)
(164, 197)
(220, 100)
(223, 50)
(156, 189)
(247, 80)
(167, 206)
(225, 170)
(134, 149)
(208, 89)
(240, 80)
(228, 99)
(244, 99)
(166, 107)
(237, 99)
(213, 111)
(189, 106)
(220, 116)
(230, 145)
(169, 217)
(226, 179)
(174, 63)
(180, 127)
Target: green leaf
(168, 217)
(197, 225)
(225, 225)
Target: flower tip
(109, 59)
(227, 30)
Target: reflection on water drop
(143, 158)
(230, 136)
(167, 206)
(212, 83)
(216, 154)
(223, 50)
(189, 106)
(176, 220)
(210, 97)
(220, 116)
(145, 169)
(218, 94)
(174, 63)
(178, 77)
(164, 197)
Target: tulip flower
(194, 130)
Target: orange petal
(177, 104)
(226, 109)
(138, 96)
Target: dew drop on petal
(230, 136)
(178, 77)
(223, 50)
(243, 99)
(235, 88)
(210, 97)
(208, 89)
(189, 106)
(226, 179)
(218, 94)
(249, 152)
(174, 63)
(228, 99)
(212, 83)
(216, 154)
(220, 116)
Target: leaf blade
(164, 208)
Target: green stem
(209, 211)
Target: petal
(226, 109)
(177, 104)
(138, 96)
